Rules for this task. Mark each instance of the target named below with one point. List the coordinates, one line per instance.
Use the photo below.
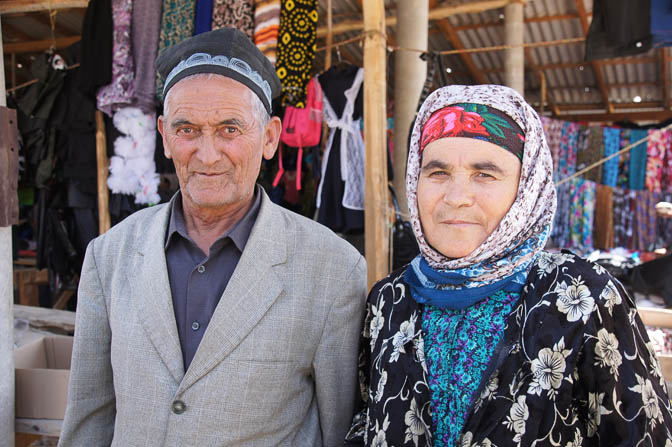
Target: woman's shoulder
(552, 267)
(394, 280)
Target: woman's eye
(485, 175)
(438, 174)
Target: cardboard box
(42, 374)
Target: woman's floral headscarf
(522, 233)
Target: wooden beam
(16, 33)
(596, 66)
(450, 34)
(542, 79)
(59, 29)
(37, 46)
(617, 115)
(664, 76)
(375, 123)
(621, 106)
(550, 18)
(438, 13)
(18, 6)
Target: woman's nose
(458, 194)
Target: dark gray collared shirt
(197, 281)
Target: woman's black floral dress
(574, 368)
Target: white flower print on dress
(488, 392)
(404, 335)
(381, 386)
(649, 400)
(547, 262)
(578, 440)
(379, 440)
(656, 370)
(548, 369)
(414, 425)
(517, 418)
(606, 351)
(611, 296)
(467, 441)
(595, 411)
(377, 321)
(574, 300)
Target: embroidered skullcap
(479, 121)
(225, 51)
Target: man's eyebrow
(486, 166)
(228, 122)
(435, 164)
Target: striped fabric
(266, 26)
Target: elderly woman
(485, 339)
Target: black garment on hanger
(96, 53)
(332, 213)
(618, 27)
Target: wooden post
(330, 37)
(376, 200)
(102, 163)
(6, 310)
(409, 76)
(514, 58)
(542, 79)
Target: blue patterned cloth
(638, 159)
(458, 347)
(612, 138)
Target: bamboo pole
(102, 165)
(376, 201)
(6, 311)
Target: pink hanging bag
(301, 128)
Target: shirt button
(178, 407)
(195, 325)
(201, 268)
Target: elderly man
(218, 318)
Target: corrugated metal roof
(570, 80)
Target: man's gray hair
(258, 107)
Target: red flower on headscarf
(451, 121)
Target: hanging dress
(340, 195)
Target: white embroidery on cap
(235, 64)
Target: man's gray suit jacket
(276, 366)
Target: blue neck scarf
(456, 289)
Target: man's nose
(459, 193)
(207, 151)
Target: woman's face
(465, 188)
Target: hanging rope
(605, 159)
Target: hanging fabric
(235, 14)
(619, 28)
(582, 213)
(177, 24)
(655, 153)
(637, 160)
(340, 194)
(266, 27)
(120, 91)
(296, 49)
(95, 67)
(667, 163)
(204, 17)
(624, 161)
(591, 150)
(560, 228)
(644, 221)
(612, 137)
(146, 26)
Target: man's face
(216, 141)
(465, 188)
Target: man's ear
(160, 127)
(271, 137)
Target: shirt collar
(239, 233)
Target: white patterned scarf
(524, 230)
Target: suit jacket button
(179, 407)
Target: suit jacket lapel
(252, 289)
(148, 276)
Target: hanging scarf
(504, 258)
